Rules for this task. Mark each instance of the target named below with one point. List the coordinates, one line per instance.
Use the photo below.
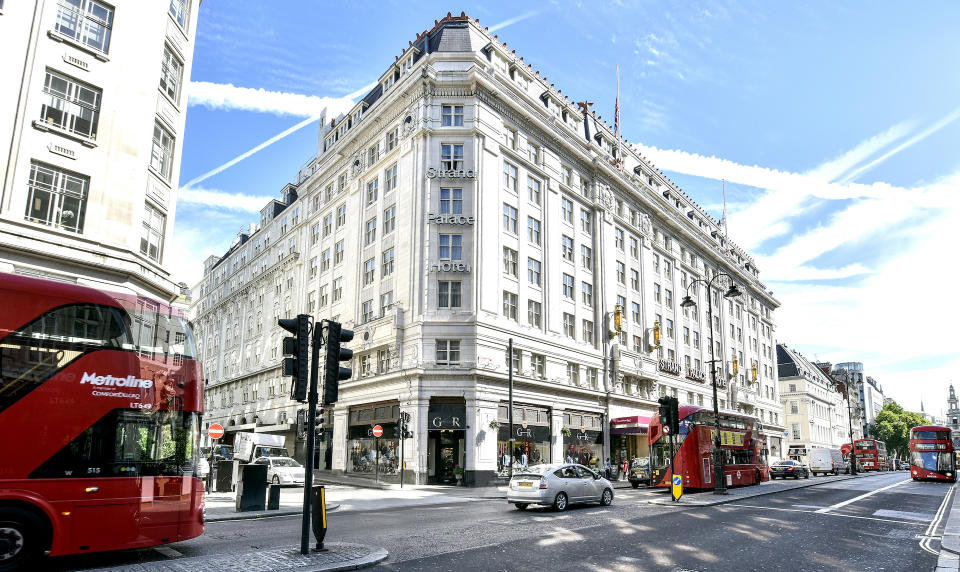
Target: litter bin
(252, 488)
(225, 475)
(273, 497)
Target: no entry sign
(377, 431)
(215, 431)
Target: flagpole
(724, 207)
(616, 119)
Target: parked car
(282, 470)
(558, 485)
(789, 468)
(639, 472)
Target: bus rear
(103, 395)
(871, 455)
(932, 454)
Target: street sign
(215, 431)
(666, 429)
(377, 431)
(677, 487)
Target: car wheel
(276, 479)
(796, 476)
(521, 505)
(560, 502)
(635, 485)
(607, 497)
(806, 475)
(836, 472)
(23, 539)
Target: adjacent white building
(816, 414)
(90, 138)
(462, 203)
(870, 392)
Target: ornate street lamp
(720, 484)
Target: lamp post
(720, 484)
(846, 395)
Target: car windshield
(641, 463)
(281, 462)
(785, 464)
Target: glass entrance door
(448, 455)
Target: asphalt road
(873, 523)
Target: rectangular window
(341, 215)
(324, 296)
(70, 105)
(588, 332)
(314, 233)
(686, 335)
(587, 290)
(533, 190)
(510, 305)
(635, 312)
(510, 261)
(514, 360)
(656, 292)
(533, 152)
(337, 289)
(586, 221)
(533, 313)
(566, 174)
(451, 201)
(449, 295)
(171, 74)
(390, 179)
(451, 115)
(569, 327)
(509, 137)
(634, 248)
(392, 138)
(451, 157)
(448, 352)
(178, 10)
(621, 272)
(57, 197)
(370, 233)
(573, 373)
(383, 361)
(386, 265)
(451, 247)
(635, 280)
(668, 298)
(338, 252)
(313, 267)
(154, 224)
(533, 271)
(372, 191)
(533, 230)
(669, 329)
(586, 256)
(509, 218)
(637, 344)
(86, 21)
(373, 154)
(656, 263)
(386, 302)
(567, 247)
(389, 220)
(510, 176)
(618, 238)
(366, 311)
(369, 271)
(161, 156)
(566, 210)
(538, 365)
(325, 260)
(568, 286)
(327, 224)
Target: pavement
(950, 540)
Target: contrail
(511, 21)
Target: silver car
(558, 485)
(282, 470)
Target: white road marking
(924, 516)
(861, 497)
(828, 514)
(941, 512)
(817, 506)
(167, 551)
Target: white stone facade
(91, 139)
(465, 202)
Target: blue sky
(835, 126)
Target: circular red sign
(215, 431)
(377, 431)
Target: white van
(827, 461)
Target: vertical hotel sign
(451, 219)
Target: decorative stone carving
(645, 225)
(606, 197)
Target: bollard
(319, 516)
(273, 497)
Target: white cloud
(229, 97)
(222, 199)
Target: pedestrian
(624, 469)
(608, 469)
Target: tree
(893, 425)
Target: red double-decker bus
(100, 404)
(742, 442)
(932, 454)
(871, 454)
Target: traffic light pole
(312, 397)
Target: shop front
(628, 438)
(370, 456)
(583, 438)
(530, 434)
(446, 438)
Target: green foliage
(893, 426)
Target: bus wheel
(21, 539)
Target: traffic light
(405, 420)
(333, 373)
(319, 423)
(301, 423)
(297, 346)
(675, 415)
(398, 429)
(665, 410)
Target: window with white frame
(592, 378)
(389, 219)
(392, 138)
(510, 176)
(367, 310)
(568, 286)
(390, 179)
(179, 10)
(621, 272)
(566, 175)
(538, 363)
(325, 260)
(451, 115)
(161, 156)
(449, 294)
(514, 360)
(509, 137)
(339, 250)
(533, 271)
(383, 361)
(566, 210)
(341, 215)
(573, 373)
(533, 190)
(533, 230)
(634, 247)
(370, 232)
(57, 197)
(313, 267)
(386, 264)
(89, 22)
(448, 352)
(323, 296)
(533, 313)
(70, 105)
(586, 221)
(510, 305)
(635, 280)
(171, 74)
(451, 247)
(451, 156)
(587, 291)
(618, 238)
(373, 188)
(569, 325)
(369, 271)
(154, 225)
(510, 261)
(509, 218)
(386, 302)
(533, 152)
(451, 201)
(586, 256)
(337, 289)
(635, 312)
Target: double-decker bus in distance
(100, 404)
(871, 454)
(741, 440)
(932, 454)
